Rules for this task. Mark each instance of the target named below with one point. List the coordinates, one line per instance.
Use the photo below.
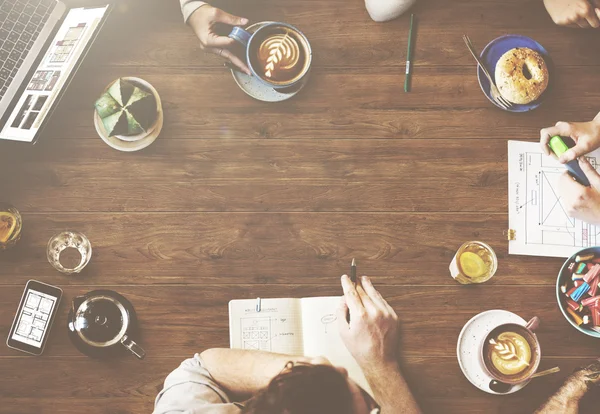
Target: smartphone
(35, 315)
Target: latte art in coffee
(280, 57)
(510, 353)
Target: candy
(572, 266)
(572, 290)
(586, 319)
(574, 305)
(575, 277)
(593, 289)
(584, 258)
(590, 301)
(580, 291)
(596, 316)
(592, 273)
(576, 318)
(563, 288)
(581, 268)
(596, 260)
(578, 283)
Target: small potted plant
(128, 115)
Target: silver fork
(500, 100)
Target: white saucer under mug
(255, 88)
(469, 344)
(137, 142)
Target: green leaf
(115, 123)
(106, 105)
(121, 91)
(133, 126)
(144, 111)
(137, 95)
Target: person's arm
(574, 13)
(567, 398)
(190, 6)
(243, 373)
(371, 336)
(385, 10)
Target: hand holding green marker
(559, 147)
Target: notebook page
(322, 338)
(276, 328)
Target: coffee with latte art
(510, 353)
(279, 56)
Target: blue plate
(492, 54)
(564, 276)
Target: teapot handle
(134, 348)
(77, 301)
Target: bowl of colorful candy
(578, 291)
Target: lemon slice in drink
(472, 265)
(7, 226)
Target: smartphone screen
(34, 317)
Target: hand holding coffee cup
(278, 54)
(204, 20)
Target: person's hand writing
(581, 202)
(585, 134)
(371, 336)
(204, 20)
(574, 13)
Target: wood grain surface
(239, 198)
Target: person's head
(315, 388)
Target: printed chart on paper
(536, 211)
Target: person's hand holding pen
(204, 21)
(371, 335)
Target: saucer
(255, 88)
(492, 53)
(128, 146)
(469, 341)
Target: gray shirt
(189, 6)
(190, 389)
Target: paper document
(536, 213)
(293, 326)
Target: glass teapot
(102, 323)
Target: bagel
(521, 75)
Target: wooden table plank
(445, 103)
(130, 386)
(343, 35)
(265, 175)
(178, 320)
(273, 248)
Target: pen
(409, 56)
(353, 271)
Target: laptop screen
(53, 72)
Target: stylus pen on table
(407, 79)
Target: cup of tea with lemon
(474, 262)
(10, 226)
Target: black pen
(353, 271)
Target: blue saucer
(492, 54)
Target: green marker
(559, 147)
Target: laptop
(42, 43)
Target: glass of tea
(474, 262)
(10, 226)
(69, 251)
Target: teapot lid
(101, 320)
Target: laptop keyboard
(20, 24)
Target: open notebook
(305, 326)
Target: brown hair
(304, 389)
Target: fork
(498, 98)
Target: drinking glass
(474, 262)
(10, 226)
(69, 240)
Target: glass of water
(69, 251)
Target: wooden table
(239, 198)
